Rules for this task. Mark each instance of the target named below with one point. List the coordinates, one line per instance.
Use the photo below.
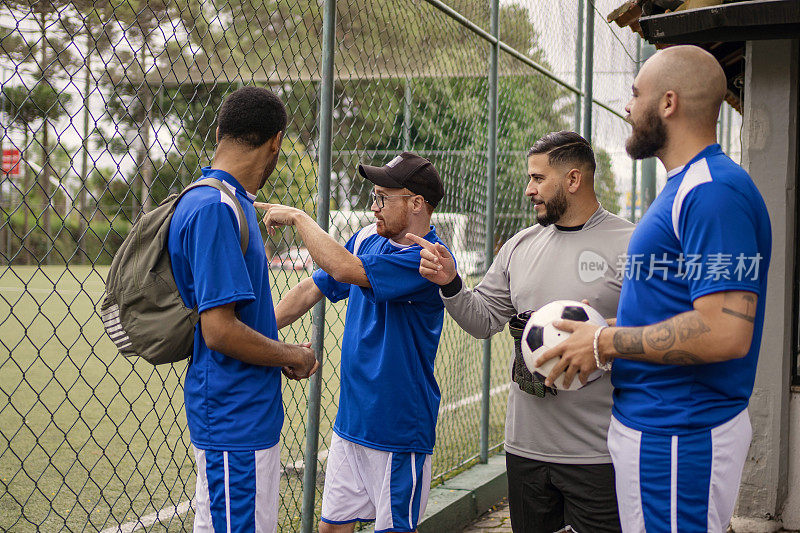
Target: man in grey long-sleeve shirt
(559, 468)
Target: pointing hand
(435, 264)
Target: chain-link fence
(107, 106)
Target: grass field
(90, 440)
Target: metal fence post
(83, 217)
(491, 176)
(728, 110)
(649, 164)
(588, 71)
(648, 182)
(579, 65)
(407, 116)
(634, 163)
(6, 228)
(308, 520)
(634, 169)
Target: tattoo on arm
(660, 336)
(690, 325)
(737, 314)
(629, 341)
(747, 305)
(680, 357)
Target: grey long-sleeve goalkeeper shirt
(536, 266)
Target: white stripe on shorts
(413, 487)
(623, 445)
(267, 482)
(729, 445)
(202, 501)
(227, 492)
(359, 484)
(673, 484)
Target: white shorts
(363, 484)
(237, 491)
(687, 483)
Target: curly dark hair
(565, 147)
(251, 116)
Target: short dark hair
(251, 116)
(565, 147)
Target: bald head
(693, 75)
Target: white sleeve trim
(363, 233)
(697, 174)
(225, 199)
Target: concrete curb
(456, 503)
(754, 525)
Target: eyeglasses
(380, 199)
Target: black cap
(407, 170)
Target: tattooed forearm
(660, 336)
(690, 325)
(629, 341)
(703, 335)
(680, 357)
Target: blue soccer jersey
(230, 405)
(707, 231)
(388, 397)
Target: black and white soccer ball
(540, 335)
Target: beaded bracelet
(596, 349)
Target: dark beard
(646, 140)
(554, 209)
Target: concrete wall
(791, 510)
(770, 155)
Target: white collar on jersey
(675, 171)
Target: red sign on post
(11, 162)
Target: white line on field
(149, 520)
(297, 466)
(472, 399)
(183, 507)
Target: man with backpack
(233, 397)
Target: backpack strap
(244, 231)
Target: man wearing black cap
(379, 465)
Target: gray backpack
(143, 312)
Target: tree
(30, 109)
(98, 31)
(450, 117)
(381, 51)
(127, 72)
(40, 64)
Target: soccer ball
(540, 335)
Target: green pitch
(90, 440)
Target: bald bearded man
(691, 311)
